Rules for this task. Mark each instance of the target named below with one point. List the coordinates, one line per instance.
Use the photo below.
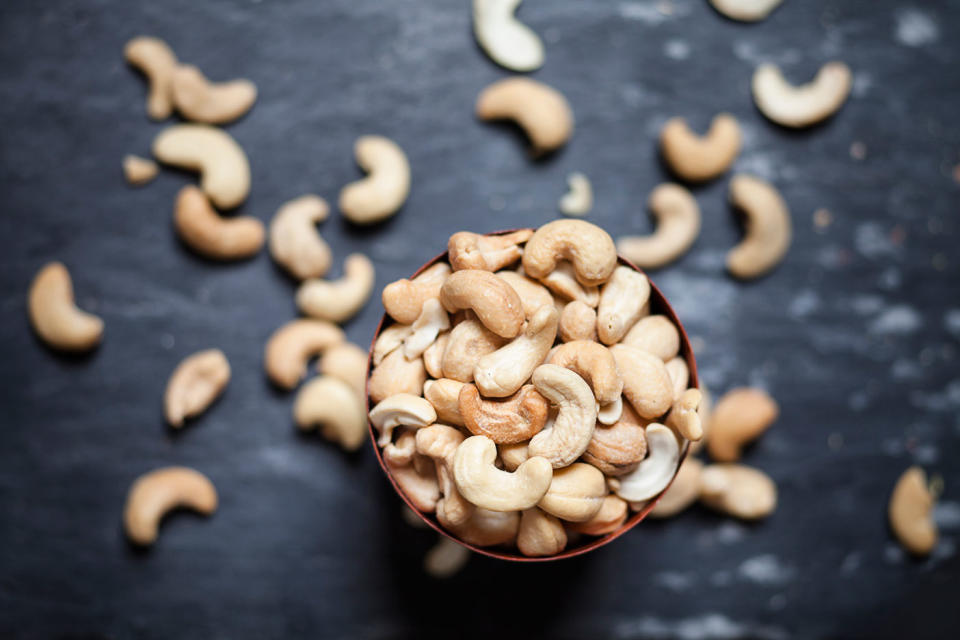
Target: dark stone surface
(855, 334)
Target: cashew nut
(570, 434)
(200, 100)
(385, 189)
(403, 299)
(468, 250)
(202, 229)
(433, 319)
(507, 41)
(541, 111)
(587, 246)
(682, 493)
(804, 105)
(403, 450)
(533, 295)
(739, 491)
(445, 558)
(401, 409)
(656, 471)
(738, 418)
(656, 335)
(334, 406)
(156, 493)
(505, 421)
(576, 493)
(417, 483)
(696, 158)
(194, 385)
(745, 10)
(139, 171)
(679, 375)
(767, 228)
(444, 395)
(338, 300)
(433, 355)
(513, 455)
(469, 342)
(54, 314)
(622, 301)
(705, 411)
(910, 512)
(578, 321)
(487, 528)
(502, 372)
(646, 383)
(440, 442)
(594, 363)
(480, 482)
(157, 61)
(390, 339)
(224, 170)
(540, 534)
(563, 282)
(683, 417)
(678, 225)
(294, 242)
(293, 344)
(347, 362)
(609, 413)
(579, 200)
(495, 302)
(618, 449)
(610, 517)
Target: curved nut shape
(610, 517)
(705, 412)
(622, 303)
(334, 406)
(54, 314)
(654, 473)
(156, 493)
(291, 346)
(679, 375)
(563, 282)
(139, 171)
(224, 170)
(418, 484)
(445, 559)
(508, 42)
(588, 247)
(540, 534)
(618, 449)
(738, 491)
(440, 442)
(202, 229)
(402, 409)
(570, 434)
(501, 373)
(339, 300)
(610, 413)
(433, 355)
(433, 319)
(682, 493)
(389, 340)
(480, 482)
(594, 363)
(656, 335)
(533, 295)
(541, 111)
(696, 158)
(495, 302)
(678, 225)
(157, 61)
(385, 189)
(507, 421)
(487, 528)
(444, 395)
(513, 455)
(683, 417)
(579, 199)
(294, 242)
(576, 493)
(646, 383)
(194, 385)
(767, 227)
(403, 299)
(738, 418)
(745, 10)
(402, 451)
(578, 321)
(469, 342)
(468, 250)
(347, 362)
(910, 512)
(805, 105)
(199, 100)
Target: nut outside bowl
(658, 304)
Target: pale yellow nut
(224, 170)
(695, 158)
(158, 492)
(54, 314)
(656, 471)
(400, 409)
(208, 233)
(578, 321)
(541, 111)
(656, 335)
(418, 482)
(339, 300)
(139, 171)
(512, 455)
(385, 189)
(910, 512)
(576, 493)
(679, 375)
(467, 250)
(678, 225)
(433, 355)
(157, 61)
(682, 493)
(444, 395)
(578, 201)
(804, 105)
(589, 249)
(480, 482)
(610, 517)
(439, 443)
(767, 227)
(395, 374)
(291, 346)
(503, 372)
(533, 295)
(623, 300)
(334, 406)
(403, 300)
(495, 302)
(199, 100)
(563, 282)
(745, 10)
(684, 418)
(594, 363)
(738, 418)
(426, 328)
(487, 528)
(507, 41)
(540, 534)
(646, 382)
(347, 362)
(469, 342)
(194, 385)
(295, 243)
(390, 339)
(738, 491)
(568, 437)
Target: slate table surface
(856, 333)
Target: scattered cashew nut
(541, 111)
(338, 300)
(468, 250)
(804, 105)
(347, 362)
(739, 491)
(295, 243)
(622, 301)
(738, 418)
(139, 171)
(385, 189)
(507, 41)
(403, 299)
(495, 302)
(767, 227)
(154, 494)
(678, 225)
(202, 229)
(576, 493)
(334, 406)
(540, 534)
(579, 199)
(224, 170)
(656, 471)
(157, 61)
(588, 247)
(194, 385)
(745, 10)
(54, 314)
(293, 344)
(570, 434)
(505, 421)
(401, 409)
(445, 558)
(696, 158)
(682, 493)
(480, 482)
(199, 100)
(910, 512)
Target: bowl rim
(663, 307)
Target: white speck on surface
(765, 569)
(730, 533)
(763, 164)
(676, 49)
(721, 578)
(858, 400)
(674, 580)
(866, 304)
(944, 550)
(890, 279)
(709, 626)
(646, 12)
(835, 441)
(851, 562)
(897, 320)
(872, 241)
(951, 322)
(805, 303)
(926, 454)
(893, 554)
(777, 602)
(167, 341)
(892, 447)
(946, 400)
(904, 369)
(862, 83)
(631, 94)
(915, 28)
(947, 515)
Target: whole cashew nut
(157, 61)
(495, 302)
(578, 321)
(156, 493)
(570, 434)
(139, 171)
(402, 409)
(910, 512)
(540, 534)
(389, 340)
(469, 342)
(739, 418)
(202, 229)
(576, 493)
(502, 372)
(54, 314)
(294, 242)
(199, 100)
(745, 10)
(622, 302)
(683, 417)
(194, 385)
(440, 442)
(563, 282)
(696, 158)
(646, 383)
(433, 355)
(507, 41)
(656, 471)
(403, 450)
(347, 362)
(678, 225)
(588, 247)
(293, 344)
(610, 517)
(487, 528)
(682, 493)
(444, 395)
(224, 170)
(594, 363)
(739, 491)
(385, 189)
(767, 227)
(338, 300)
(403, 299)
(418, 483)
(507, 421)
(480, 482)
(433, 319)
(679, 375)
(334, 406)
(533, 295)
(618, 449)
(656, 335)
(805, 105)
(541, 111)
(579, 199)
(468, 250)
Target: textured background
(855, 334)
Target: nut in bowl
(509, 434)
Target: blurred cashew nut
(444, 395)
(767, 227)
(385, 189)
(199, 100)
(224, 170)
(202, 229)
(804, 105)
(338, 300)
(738, 418)
(139, 171)
(683, 417)
(540, 534)
(745, 10)
(507, 41)
(738, 491)
(334, 406)
(158, 492)
(348, 362)
(579, 199)
(295, 243)
(682, 493)
(696, 158)
(678, 225)
(440, 442)
(293, 344)
(194, 385)
(541, 111)
(610, 517)
(54, 314)
(157, 61)
(656, 335)
(910, 512)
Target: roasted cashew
(433, 355)
(594, 363)
(588, 247)
(610, 413)
(570, 434)
(401, 409)
(507, 41)
(54, 314)
(745, 10)
(678, 225)
(533, 295)
(389, 340)
(505, 421)
(739, 418)
(158, 492)
(157, 61)
(656, 335)
(139, 171)
(487, 528)
(767, 227)
(469, 342)
(385, 189)
(804, 105)
(293, 344)
(403, 450)
(480, 482)
(656, 471)
(682, 493)
(739, 491)
(501, 373)
(578, 321)
(683, 417)
(403, 299)
(468, 250)
(444, 395)
(512, 455)
(199, 100)
(224, 170)
(541, 111)
(495, 302)
(418, 484)
(910, 512)
(696, 158)
(622, 301)
(440, 442)
(579, 199)
(338, 300)
(646, 383)
(347, 362)
(540, 534)
(618, 449)
(445, 559)
(433, 319)
(679, 375)
(563, 282)
(294, 242)
(194, 385)
(202, 229)
(334, 406)
(575, 494)
(610, 517)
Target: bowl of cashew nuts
(530, 393)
